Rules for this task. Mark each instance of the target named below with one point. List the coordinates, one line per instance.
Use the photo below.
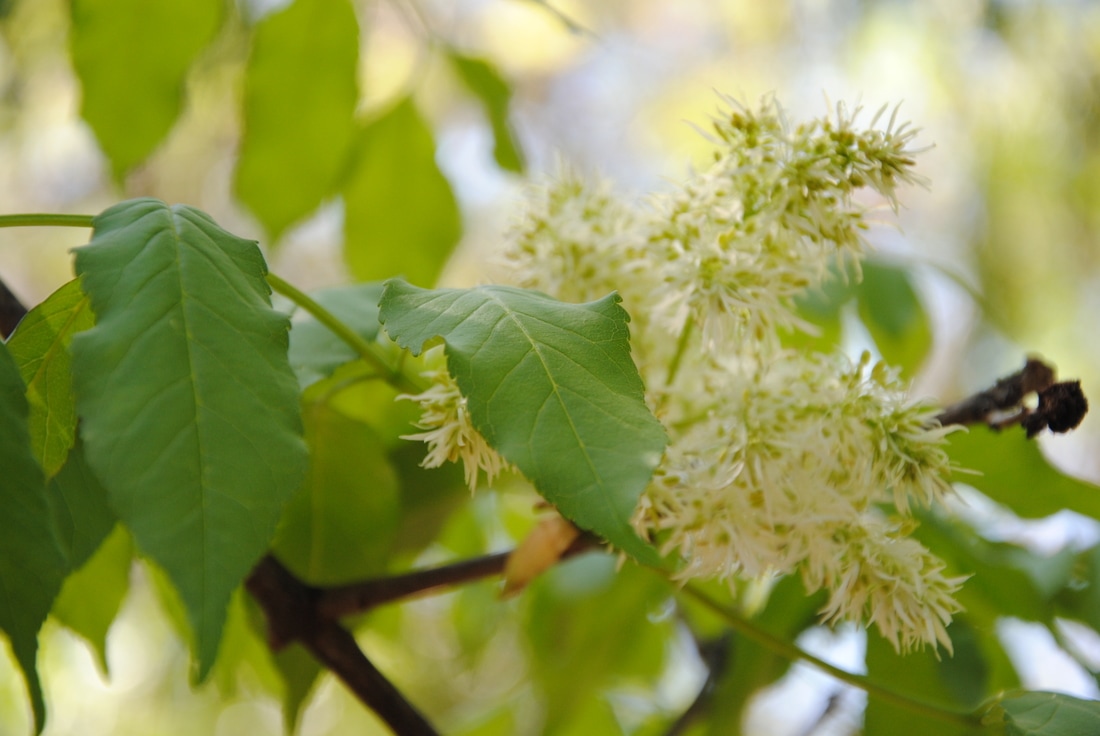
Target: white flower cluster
(448, 431)
(779, 462)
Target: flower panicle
(779, 462)
(763, 223)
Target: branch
(307, 614)
(292, 615)
(1061, 406)
(783, 648)
(11, 311)
(363, 596)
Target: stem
(789, 651)
(367, 351)
(681, 349)
(46, 220)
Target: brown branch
(362, 596)
(292, 615)
(307, 614)
(11, 311)
(1061, 406)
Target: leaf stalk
(789, 651)
(370, 352)
(46, 220)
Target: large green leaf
(1045, 714)
(189, 407)
(494, 93)
(300, 94)
(552, 387)
(315, 351)
(400, 215)
(91, 597)
(32, 565)
(40, 347)
(922, 676)
(340, 525)
(1013, 471)
(132, 58)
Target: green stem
(370, 352)
(789, 651)
(46, 220)
(681, 349)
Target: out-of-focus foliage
(364, 136)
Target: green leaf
(495, 95)
(40, 347)
(822, 307)
(300, 672)
(315, 352)
(751, 667)
(552, 387)
(1007, 580)
(189, 407)
(340, 525)
(300, 94)
(32, 565)
(429, 496)
(132, 58)
(81, 512)
(892, 312)
(1082, 601)
(1045, 714)
(576, 654)
(923, 678)
(91, 597)
(1014, 472)
(245, 657)
(400, 214)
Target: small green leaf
(300, 672)
(315, 352)
(32, 564)
(245, 649)
(81, 512)
(189, 408)
(132, 58)
(400, 215)
(91, 597)
(1045, 714)
(552, 387)
(822, 308)
(892, 312)
(340, 525)
(300, 94)
(40, 347)
(1013, 471)
(495, 95)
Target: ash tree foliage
(664, 373)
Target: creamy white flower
(779, 462)
(449, 434)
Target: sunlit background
(1006, 240)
